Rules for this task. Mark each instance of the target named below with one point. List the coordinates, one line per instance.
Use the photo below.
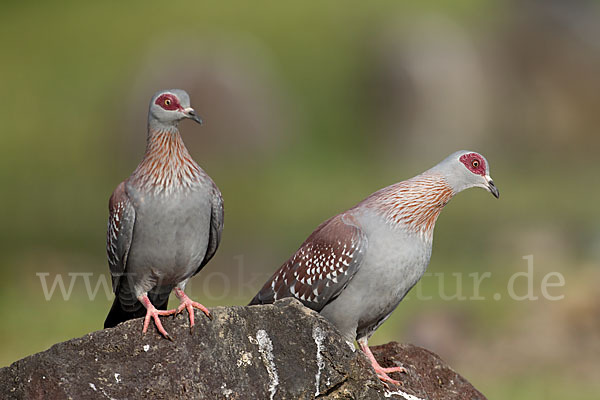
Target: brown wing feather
(120, 230)
(322, 266)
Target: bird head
(466, 169)
(168, 107)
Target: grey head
(168, 107)
(465, 169)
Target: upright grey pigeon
(165, 221)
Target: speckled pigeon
(356, 267)
(165, 221)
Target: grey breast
(394, 262)
(170, 235)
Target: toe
(191, 314)
(146, 323)
(166, 312)
(180, 309)
(160, 327)
(394, 369)
(203, 309)
(385, 378)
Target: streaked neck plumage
(413, 205)
(167, 165)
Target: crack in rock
(334, 388)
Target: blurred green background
(309, 107)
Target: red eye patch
(168, 102)
(474, 163)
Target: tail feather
(263, 297)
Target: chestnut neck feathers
(413, 204)
(167, 164)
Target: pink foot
(189, 305)
(394, 369)
(382, 373)
(152, 312)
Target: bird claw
(394, 369)
(206, 312)
(382, 374)
(153, 313)
(387, 380)
(189, 305)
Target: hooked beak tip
(191, 114)
(493, 189)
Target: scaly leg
(382, 373)
(187, 303)
(152, 312)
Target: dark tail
(118, 313)
(263, 297)
(254, 301)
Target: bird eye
(475, 163)
(167, 102)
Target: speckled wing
(216, 225)
(322, 267)
(120, 230)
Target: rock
(280, 351)
(428, 375)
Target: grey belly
(169, 241)
(392, 266)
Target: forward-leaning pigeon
(165, 221)
(356, 267)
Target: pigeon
(357, 266)
(165, 221)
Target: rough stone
(280, 351)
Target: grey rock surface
(279, 351)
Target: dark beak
(493, 189)
(191, 114)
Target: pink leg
(152, 312)
(382, 373)
(187, 303)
